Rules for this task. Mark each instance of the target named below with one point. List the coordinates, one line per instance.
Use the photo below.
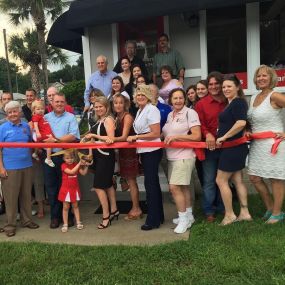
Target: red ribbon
(195, 145)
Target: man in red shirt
(208, 110)
(50, 94)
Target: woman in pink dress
(168, 83)
(69, 192)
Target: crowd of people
(125, 106)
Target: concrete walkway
(121, 232)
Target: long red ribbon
(196, 145)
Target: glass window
(272, 37)
(145, 33)
(226, 41)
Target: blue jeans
(150, 162)
(212, 201)
(52, 177)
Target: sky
(11, 29)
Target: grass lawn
(243, 253)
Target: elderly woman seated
(16, 170)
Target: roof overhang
(67, 29)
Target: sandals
(64, 228)
(275, 219)
(79, 226)
(101, 226)
(114, 215)
(131, 217)
(267, 215)
(227, 221)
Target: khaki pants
(17, 186)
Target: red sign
(242, 76)
(281, 77)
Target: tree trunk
(35, 77)
(39, 20)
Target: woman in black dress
(232, 123)
(104, 161)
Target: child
(42, 128)
(69, 191)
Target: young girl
(42, 128)
(69, 191)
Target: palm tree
(25, 48)
(21, 10)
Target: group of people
(123, 106)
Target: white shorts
(180, 171)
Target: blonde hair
(270, 71)
(125, 100)
(70, 152)
(37, 103)
(145, 90)
(104, 101)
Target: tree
(20, 82)
(21, 10)
(69, 72)
(26, 49)
(74, 93)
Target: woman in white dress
(265, 114)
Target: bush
(74, 92)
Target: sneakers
(64, 228)
(183, 223)
(191, 219)
(49, 162)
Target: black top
(27, 112)
(136, 60)
(236, 110)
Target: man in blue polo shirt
(65, 129)
(101, 79)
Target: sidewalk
(121, 232)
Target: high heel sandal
(101, 226)
(114, 215)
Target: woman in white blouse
(147, 128)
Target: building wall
(186, 40)
(100, 41)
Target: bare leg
(76, 212)
(111, 193)
(223, 182)
(187, 195)
(65, 210)
(178, 196)
(278, 196)
(102, 196)
(242, 195)
(134, 192)
(263, 190)
(48, 153)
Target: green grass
(243, 253)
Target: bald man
(101, 79)
(50, 94)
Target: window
(145, 33)
(272, 37)
(226, 41)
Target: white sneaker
(49, 162)
(191, 220)
(183, 224)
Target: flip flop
(130, 217)
(228, 221)
(275, 219)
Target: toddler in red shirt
(42, 128)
